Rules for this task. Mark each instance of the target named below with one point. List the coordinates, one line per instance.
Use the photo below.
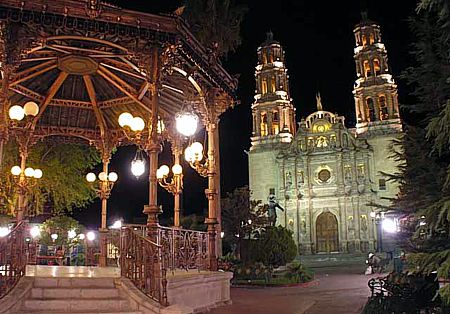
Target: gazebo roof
(86, 62)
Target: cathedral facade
(322, 173)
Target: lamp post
(378, 218)
(103, 189)
(173, 186)
(18, 114)
(25, 179)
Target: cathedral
(324, 174)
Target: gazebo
(70, 69)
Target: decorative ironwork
(13, 258)
(141, 261)
(184, 249)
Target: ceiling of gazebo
(83, 83)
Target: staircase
(75, 295)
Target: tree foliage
(60, 225)
(216, 23)
(276, 247)
(63, 185)
(425, 178)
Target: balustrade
(13, 258)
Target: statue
(272, 209)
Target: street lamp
(105, 183)
(378, 218)
(25, 179)
(186, 123)
(35, 232)
(175, 185)
(138, 164)
(194, 155)
(18, 113)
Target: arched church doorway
(327, 238)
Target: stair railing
(142, 261)
(13, 258)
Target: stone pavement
(339, 291)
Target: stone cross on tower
(319, 102)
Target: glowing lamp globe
(138, 167)
(4, 231)
(29, 172)
(189, 154)
(54, 236)
(197, 150)
(90, 236)
(137, 124)
(103, 176)
(125, 119)
(31, 109)
(90, 177)
(177, 169)
(16, 113)
(16, 170)
(35, 232)
(71, 234)
(373, 214)
(164, 170)
(38, 173)
(112, 176)
(159, 174)
(389, 225)
(186, 123)
(117, 224)
(81, 236)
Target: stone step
(43, 282)
(75, 293)
(75, 305)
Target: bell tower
(272, 110)
(375, 91)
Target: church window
(367, 70)
(324, 175)
(264, 86)
(345, 140)
(347, 173)
(383, 107)
(361, 171)
(322, 141)
(310, 142)
(333, 140)
(371, 109)
(264, 57)
(364, 40)
(301, 177)
(264, 131)
(273, 87)
(270, 56)
(275, 122)
(382, 184)
(376, 66)
(272, 191)
(371, 38)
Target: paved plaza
(339, 291)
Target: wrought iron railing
(13, 258)
(141, 261)
(184, 249)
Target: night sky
(318, 40)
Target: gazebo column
(104, 195)
(22, 202)
(179, 190)
(153, 149)
(211, 194)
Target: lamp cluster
(175, 185)
(194, 155)
(136, 124)
(28, 172)
(102, 176)
(18, 113)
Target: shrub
(297, 272)
(276, 247)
